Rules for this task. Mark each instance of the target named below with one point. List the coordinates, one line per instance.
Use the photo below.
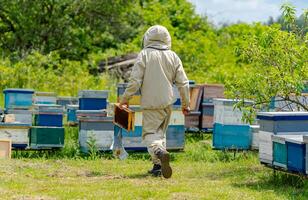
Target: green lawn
(199, 173)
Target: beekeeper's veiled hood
(157, 37)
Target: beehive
(18, 98)
(231, 136)
(93, 99)
(71, 114)
(99, 130)
(279, 123)
(21, 115)
(135, 99)
(16, 132)
(45, 98)
(297, 154)
(42, 137)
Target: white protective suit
(156, 70)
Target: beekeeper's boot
(155, 168)
(164, 158)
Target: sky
(231, 11)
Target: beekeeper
(156, 70)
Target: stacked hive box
(92, 99)
(279, 104)
(297, 154)
(278, 123)
(290, 152)
(230, 132)
(71, 115)
(18, 103)
(48, 131)
(255, 136)
(65, 101)
(18, 118)
(175, 136)
(45, 98)
(192, 120)
(280, 149)
(95, 127)
(210, 91)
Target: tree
(277, 65)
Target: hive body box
(64, 101)
(16, 132)
(280, 149)
(255, 136)
(46, 137)
(207, 116)
(71, 114)
(48, 115)
(135, 99)
(297, 154)
(225, 113)
(18, 98)
(21, 115)
(230, 132)
(5, 148)
(45, 98)
(278, 123)
(231, 136)
(93, 99)
(94, 125)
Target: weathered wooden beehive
(17, 133)
(95, 128)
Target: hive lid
(297, 140)
(19, 90)
(91, 113)
(283, 138)
(48, 94)
(279, 116)
(72, 106)
(222, 101)
(14, 124)
(93, 94)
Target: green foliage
(93, 151)
(276, 65)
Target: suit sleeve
(182, 83)
(136, 77)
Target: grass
(199, 173)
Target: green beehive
(46, 137)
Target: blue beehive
(93, 99)
(48, 115)
(283, 122)
(71, 114)
(280, 149)
(297, 154)
(18, 98)
(231, 136)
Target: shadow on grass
(290, 186)
(138, 175)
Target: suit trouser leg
(154, 128)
